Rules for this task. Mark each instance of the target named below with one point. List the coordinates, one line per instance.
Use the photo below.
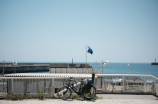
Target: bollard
(93, 76)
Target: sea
(124, 68)
(127, 68)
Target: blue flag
(90, 50)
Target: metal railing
(126, 83)
(104, 83)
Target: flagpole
(86, 54)
(102, 66)
(3, 67)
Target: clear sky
(59, 30)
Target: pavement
(127, 96)
(106, 99)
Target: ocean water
(123, 68)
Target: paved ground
(106, 99)
(127, 96)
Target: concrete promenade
(106, 99)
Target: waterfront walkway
(106, 99)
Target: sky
(59, 30)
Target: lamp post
(104, 63)
(14, 63)
(3, 67)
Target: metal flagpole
(3, 67)
(102, 66)
(102, 77)
(3, 76)
(86, 54)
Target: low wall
(104, 83)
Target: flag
(104, 63)
(90, 50)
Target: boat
(154, 63)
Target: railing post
(93, 77)
(25, 86)
(123, 83)
(154, 86)
(12, 81)
(101, 82)
(53, 88)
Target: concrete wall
(103, 84)
(33, 86)
(74, 70)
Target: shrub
(97, 97)
(16, 97)
(41, 94)
(74, 96)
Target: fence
(117, 83)
(104, 83)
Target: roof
(48, 75)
